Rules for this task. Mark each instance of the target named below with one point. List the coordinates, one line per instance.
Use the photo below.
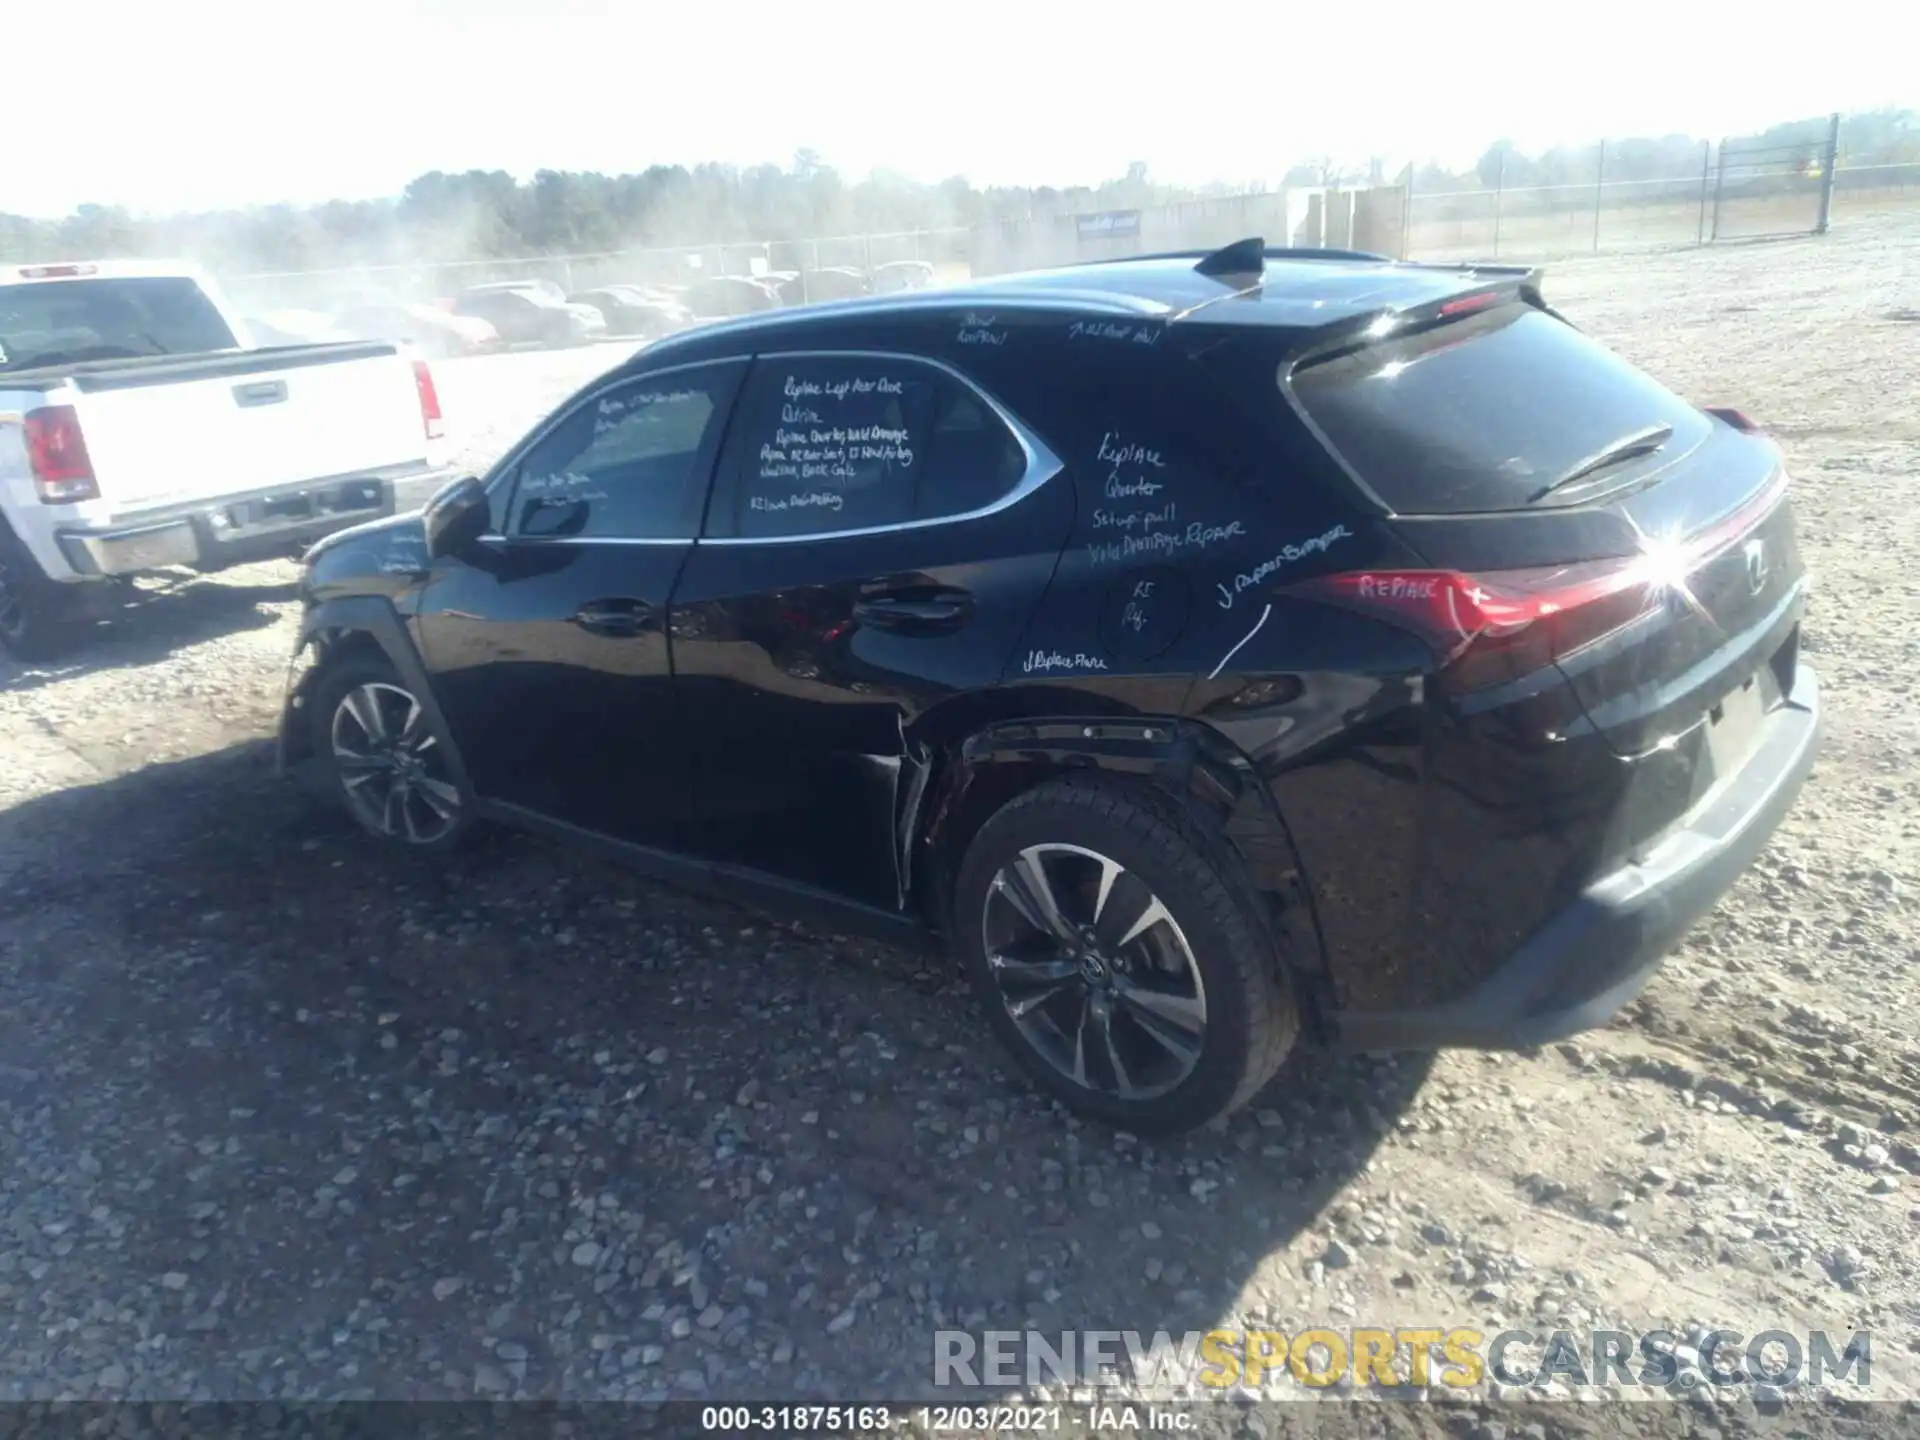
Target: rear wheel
(389, 764)
(1120, 959)
(37, 616)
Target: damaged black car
(1213, 651)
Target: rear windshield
(67, 322)
(1486, 412)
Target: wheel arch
(969, 776)
(339, 629)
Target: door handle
(615, 617)
(916, 615)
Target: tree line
(488, 214)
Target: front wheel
(390, 766)
(1120, 959)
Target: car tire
(385, 758)
(38, 619)
(1156, 1031)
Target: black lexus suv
(1210, 648)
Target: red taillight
(57, 455)
(1733, 417)
(1470, 302)
(430, 417)
(56, 272)
(1485, 629)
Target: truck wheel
(1120, 958)
(36, 615)
(388, 763)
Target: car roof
(1291, 289)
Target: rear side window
(831, 443)
(1484, 413)
(68, 322)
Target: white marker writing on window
(803, 500)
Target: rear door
(880, 532)
(548, 646)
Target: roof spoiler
(1243, 257)
(1475, 267)
(1497, 283)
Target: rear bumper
(237, 529)
(1594, 955)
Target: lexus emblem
(1757, 567)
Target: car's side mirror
(456, 516)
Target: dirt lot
(282, 1118)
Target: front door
(548, 643)
(879, 535)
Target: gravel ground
(282, 1117)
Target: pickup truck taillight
(430, 417)
(57, 455)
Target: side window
(831, 443)
(972, 458)
(630, 463)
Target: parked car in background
(137, 434)
(659, 295)
(810, 287)
(631, 311)
(784, 283)
(834, 282)
(718, 296)
(433, 331)
(532, 287)
(531, 317)
(294, 327)
(1213, 648)
(898, 275)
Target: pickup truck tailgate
(213, 425)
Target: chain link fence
(1561, 218)
(880, 261)
(1737, 190)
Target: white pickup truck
(140, 432)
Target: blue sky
(205, 103)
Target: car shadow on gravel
(348, 1124)
(126, 627)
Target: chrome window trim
(501, 541)
(588, 394)
(1042, 463)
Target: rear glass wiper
(1629, 447)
